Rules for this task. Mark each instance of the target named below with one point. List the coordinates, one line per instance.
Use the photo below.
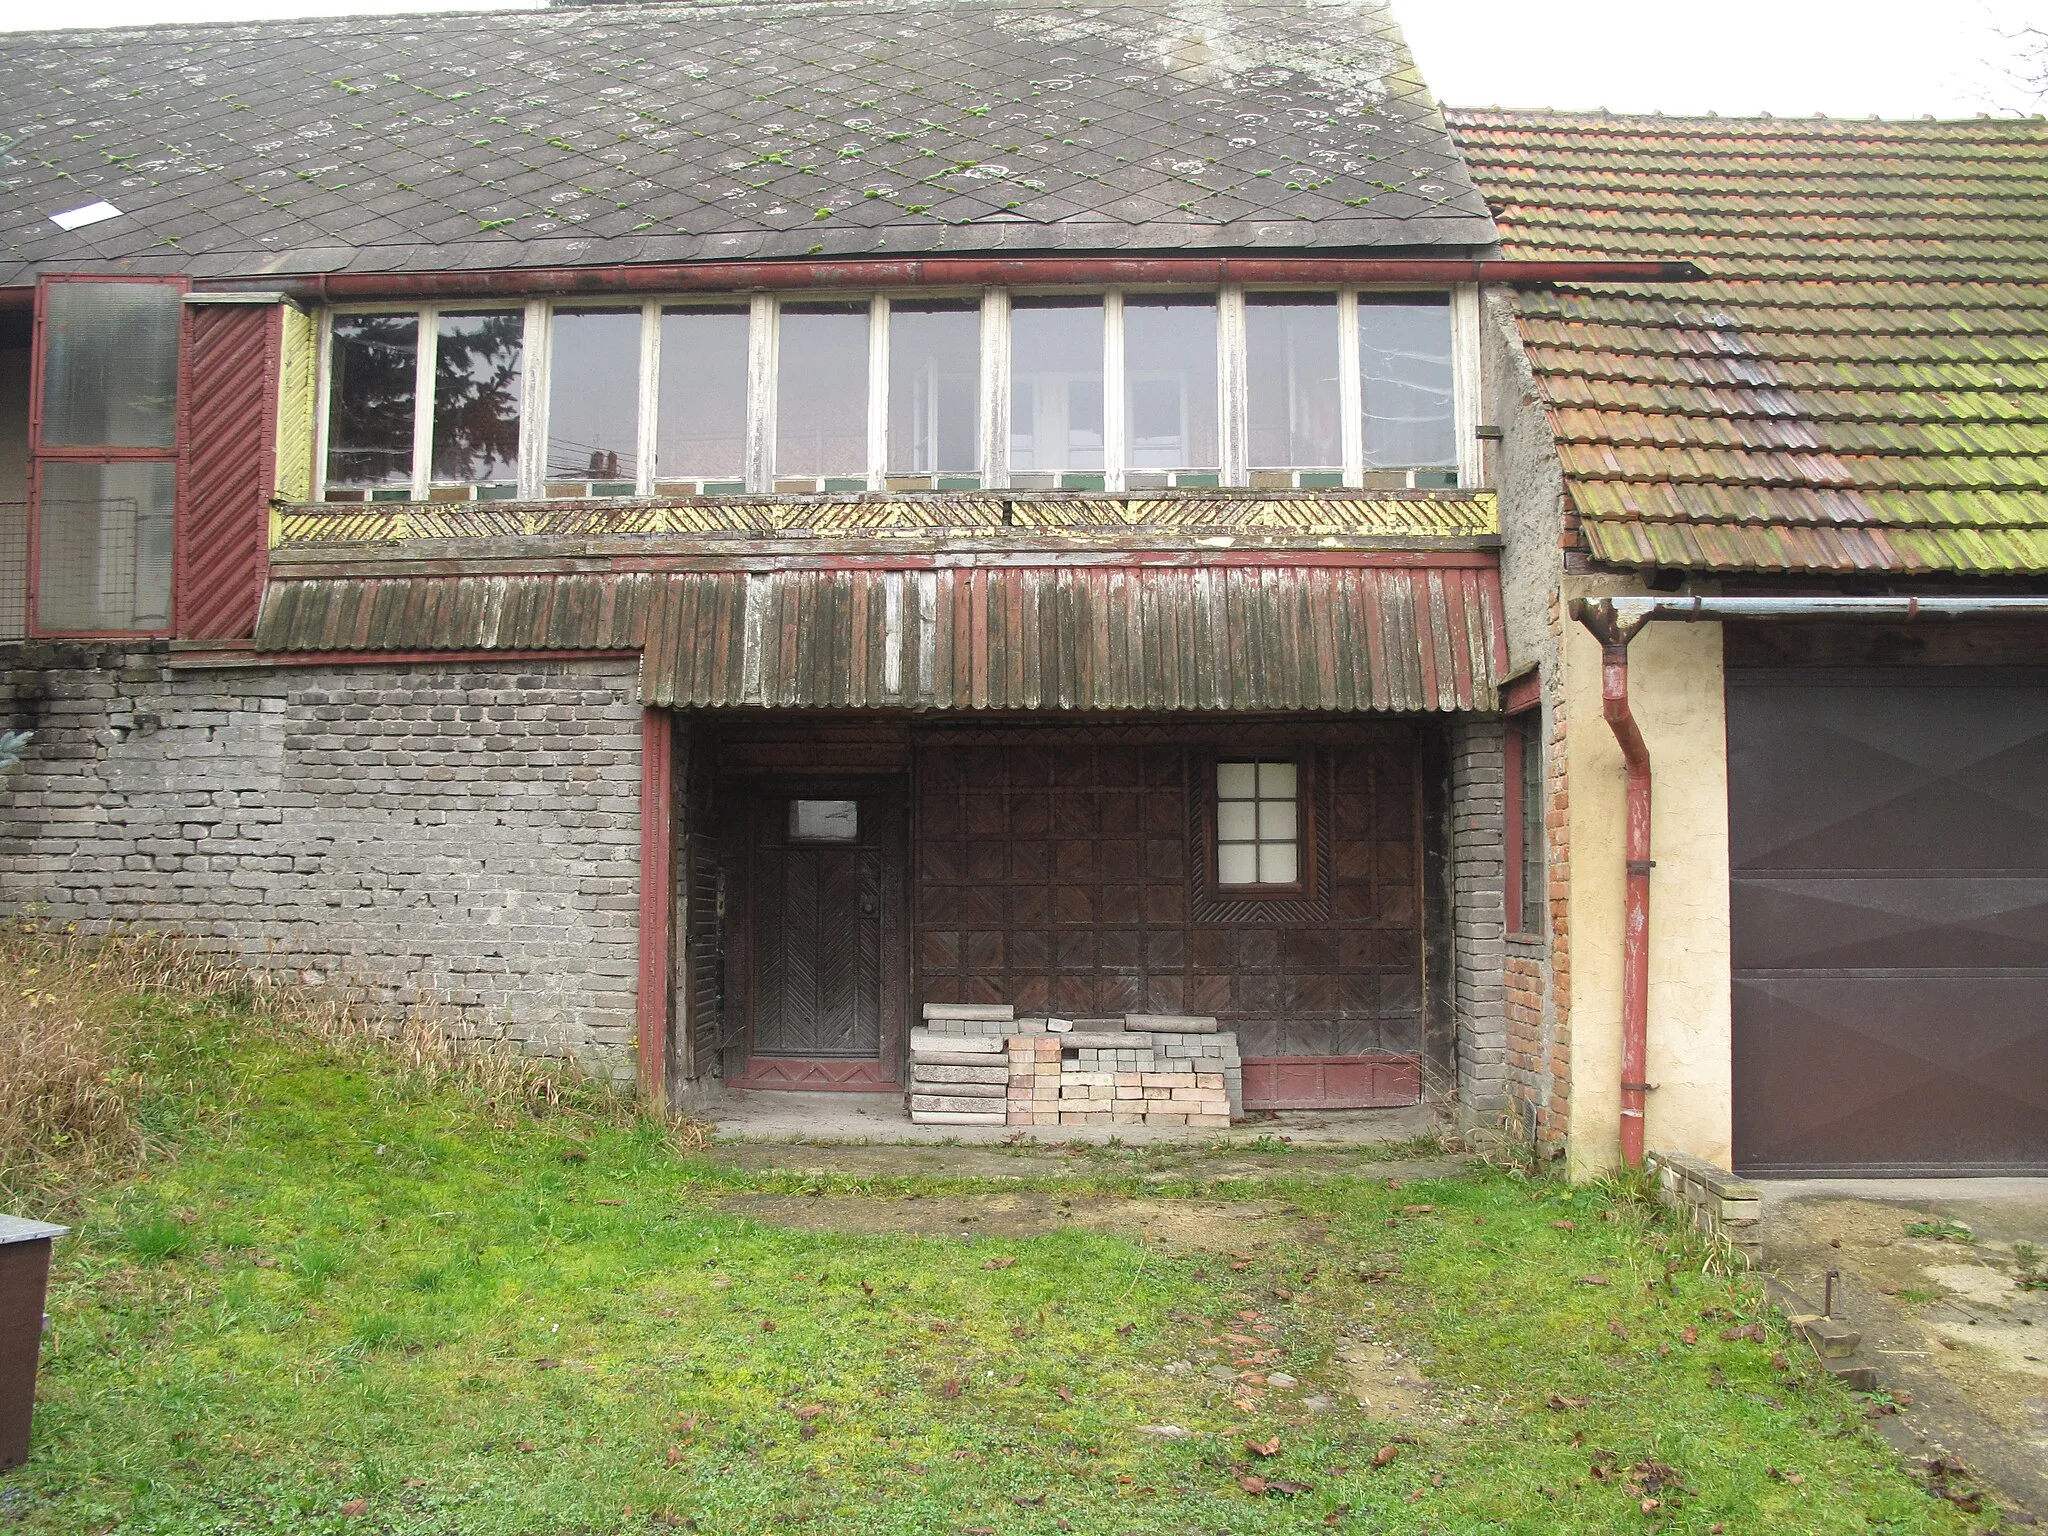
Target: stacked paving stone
(978, 1064)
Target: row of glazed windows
(1080, 392)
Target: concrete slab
(756, 1115)
(1932, 1273)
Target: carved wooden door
(824, 939)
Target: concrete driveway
(1935, 1275)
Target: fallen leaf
(1566, 1225)
(868, 1289)
(525, 1447)
(1614, 1327)
(1252, 1483)
(1689, 1336)
(1417, 1210)
(767, 1326)
(1287, 1488)
(1127, 1330)
(1003, 1263)
(950, 1387)
(356, 1507)
(1385, 1454)
(1017, 1331)
(1022, 1502)
(808, 1411)
(609, 1202)
(1592, 1279)
(545, 1364)
(1559, 1402)
(1264, 1447)
(1066, 1394)
(675, 1454)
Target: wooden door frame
(826, 1074)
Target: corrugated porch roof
(1338, 633)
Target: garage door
(1889, 847)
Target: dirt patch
(1218, 1225)
(1384, 1383)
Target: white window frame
(994, 471)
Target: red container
(24, 1280)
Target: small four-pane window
(1258, 823)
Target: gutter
(1614, 622)
(952, 272)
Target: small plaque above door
(824, 821)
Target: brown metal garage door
(1889, 847)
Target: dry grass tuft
(69, 1095)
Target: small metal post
(1827, 1305)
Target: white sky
(1852, 58)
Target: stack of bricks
(979, 1064)
(959, 1064)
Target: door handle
(867, 906)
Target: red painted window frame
(41, 454)
(1522, 705)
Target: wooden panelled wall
(1056, 867)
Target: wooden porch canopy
(1394, 631)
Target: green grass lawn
(344, 1298)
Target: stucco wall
(466, 838)
(1676, 691)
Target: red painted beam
(657, 901)
(959, 272)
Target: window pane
(1237, 781)
(821, 390)
(1404, 364)
(1170, 383)
(1056, 384)
(1276, 821)
(1237, 864)
(1237, 821)
(594, 395)
(825, 821)
(110, 365)
(1291, 367)
(374, 373)
(476, 397)
(1276, 864)
(105, 546)
(1276, 779)
(701, 427)
(935, 387)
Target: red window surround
(42, 455)
(1522, 704)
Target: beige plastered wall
(1676, 691)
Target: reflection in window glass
(1170, 383)
(110, 365)
(373, 376)
(1257, 824)
(594, 395)
(821, 390)
(1404, 363)
(476, 397)
(1056, 384)
(1295, 411)
(934, 386)
(701, 425)
(105, 545)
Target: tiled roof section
(1861, 384)
(676, 132)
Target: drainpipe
(1614, 622)
(1614, 634)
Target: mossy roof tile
(1861, 383)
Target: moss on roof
(1861, 384)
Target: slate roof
(1862, 384)
(675, 132)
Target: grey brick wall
(460, 837)
(1479, 912)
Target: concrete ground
(1933, 1272)
(743, 1115)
